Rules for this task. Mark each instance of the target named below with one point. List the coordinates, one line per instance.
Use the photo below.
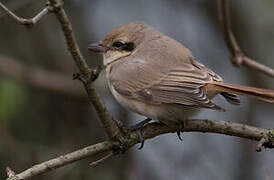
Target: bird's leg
(179, 135)
(181, 129)
(140, 124)
(141, 138)
(137, 127)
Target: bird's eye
(118, 44)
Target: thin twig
(14, 5)
(150, 131)
(109, 125)
(237, 56)
(95, 73)
(260, 144)
(98, 162)
(23, 21)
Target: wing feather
(171, 84)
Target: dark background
(37, 124)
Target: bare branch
(260, 144)
(98, 162)
(63, 160)
(237, 56)
(111, 128)
(23, 21)
(40, 78)
(209, 126)
(14, 5)
(150, 131)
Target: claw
(137, 127)
(142, 140)
(181, 127)
(179, 135)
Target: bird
(154, 75)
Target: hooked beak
(97, 48)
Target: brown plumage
(156, 76)
(258, 93)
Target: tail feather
(230, 89)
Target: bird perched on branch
(158, 77)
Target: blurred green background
(44, 113)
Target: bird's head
(122, 41)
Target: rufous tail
(230, 89)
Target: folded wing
(180, 83)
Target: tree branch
(150, 131)
(14, 5)
(23, 21)
(40, 78)
(109, 125)
(63, 160)
(237, 57)
(98, 162)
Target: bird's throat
(112, 56)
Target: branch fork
(237, 58)
(93, 75)
(23, 21)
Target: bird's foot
(181, 130)
(137, 127)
